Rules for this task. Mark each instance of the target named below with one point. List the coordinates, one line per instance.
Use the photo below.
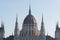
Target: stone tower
(42, 31)
(2, 31)
(16, 31)
(57, 32)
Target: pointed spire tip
(29, 10)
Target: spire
(2, 25)
(29, 10)
(16, 31)
(16, 20)
(57, 26)
(42, 26)
(16, 27)
(42, 23)
(16, 24)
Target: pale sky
(49, 8)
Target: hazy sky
(49, 8)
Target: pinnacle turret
(16, 32)
(57, 25)
(16, 25)
(2, 28)
(29, 10)
(2, 25)
(42, 26)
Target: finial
(2, 25)
(42, 17)
(57, 24)
(16, 18)
(29, 10)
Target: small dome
(29, 20)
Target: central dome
(29, 19)
(30, 24)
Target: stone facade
(29, 29)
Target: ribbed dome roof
(29, 19)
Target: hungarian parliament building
(29, 30)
